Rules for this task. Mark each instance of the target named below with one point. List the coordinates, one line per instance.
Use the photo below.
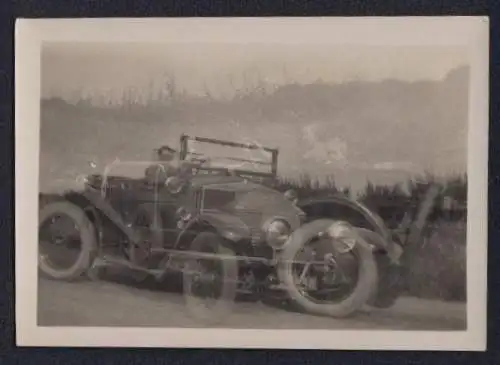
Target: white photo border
(470, 32)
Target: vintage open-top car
(227, 231)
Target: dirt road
(115, 303)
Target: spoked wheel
(327, 276)
(67, 241)
(210, 284)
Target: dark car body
(236, 207)
(238, 204)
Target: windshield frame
(185, 152)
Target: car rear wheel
(210, 284)
(67, 241)
(322, 280)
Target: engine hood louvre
(252, 202)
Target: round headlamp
(276, 233)
(344, 236)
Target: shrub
(438, 270)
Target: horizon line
(144, 96)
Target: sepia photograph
(252, 183)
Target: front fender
(227, 225)
(358, 215)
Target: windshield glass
(216, 154)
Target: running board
(114, 261)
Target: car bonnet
(255, 199)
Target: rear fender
(96, 207)
(77, 199)
(107, 209)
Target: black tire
(390, 275)
(87, 238)
(358, 297)
(210, 242)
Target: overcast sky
(68, 70)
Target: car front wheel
(322, 279)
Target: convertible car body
(227, 231)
